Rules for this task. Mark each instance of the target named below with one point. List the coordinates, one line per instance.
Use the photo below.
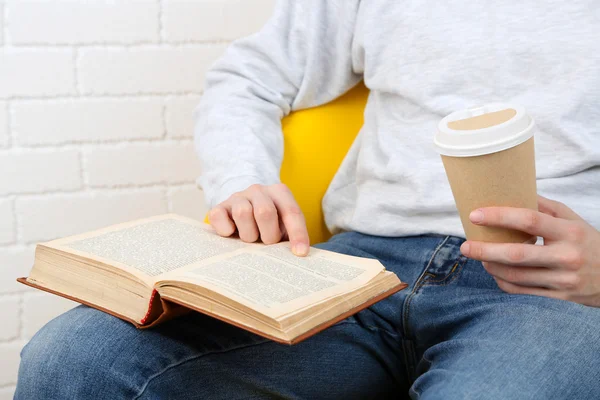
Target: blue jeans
(451, 335)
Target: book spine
(150, 308)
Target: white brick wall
(184, 200)
(161, 70)
(2, 23)
(87, 120)
(41, 72)
(83, 22)
(15, 262)
(96, 101)
(44, 217)
(177, 116)
(142, 164)
(9, 354)
(7, 227)
(9, 315)
(39, 171)
(40, 307)
(186, 20)
(4, 137)
(6, 393)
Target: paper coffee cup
(488, 154)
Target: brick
(188, 201)
(8, 392)
(79, 121)
(9, 315)
(45, 72)
(146, 70)
(35, 171)
(83, 22)
(7, 222)
(15, 262)
(39, 308)
(203, 20)
(179, 116)
(10, 356)
(142, 164)
(4, 133)
(49, 217)
(2, 25)
(2, 21)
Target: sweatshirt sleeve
(301, 58)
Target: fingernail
(476, 216)
(484, 263)
(465, 248)
(300, 249)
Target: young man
(525, 324)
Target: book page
(272, 280)
(152, 247)
(325, 267)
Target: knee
(47, 357)
(70, 357)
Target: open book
(147, 271)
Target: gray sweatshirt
(421, 61)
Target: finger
(292, 218)
(220, 219)
(515, 253)
(532, 276)
(556, 209)
(265, 215)
(516, 289)
(521, 219)
(241, 211)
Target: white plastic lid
(483, 130)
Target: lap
(452, 331)
(88, 354)
(514, 358)
(475, 341)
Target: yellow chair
(316, 141)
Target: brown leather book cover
(162, 309)
(159, 310)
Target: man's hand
(266, 212)
(566, 267)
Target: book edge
(308, 333)
(348, 313)
(24, 281)
(181, 309)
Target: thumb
(556, 209)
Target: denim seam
(406, 308)
(178, 363)
(416, 392)
(453, 275)
(416, 288)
